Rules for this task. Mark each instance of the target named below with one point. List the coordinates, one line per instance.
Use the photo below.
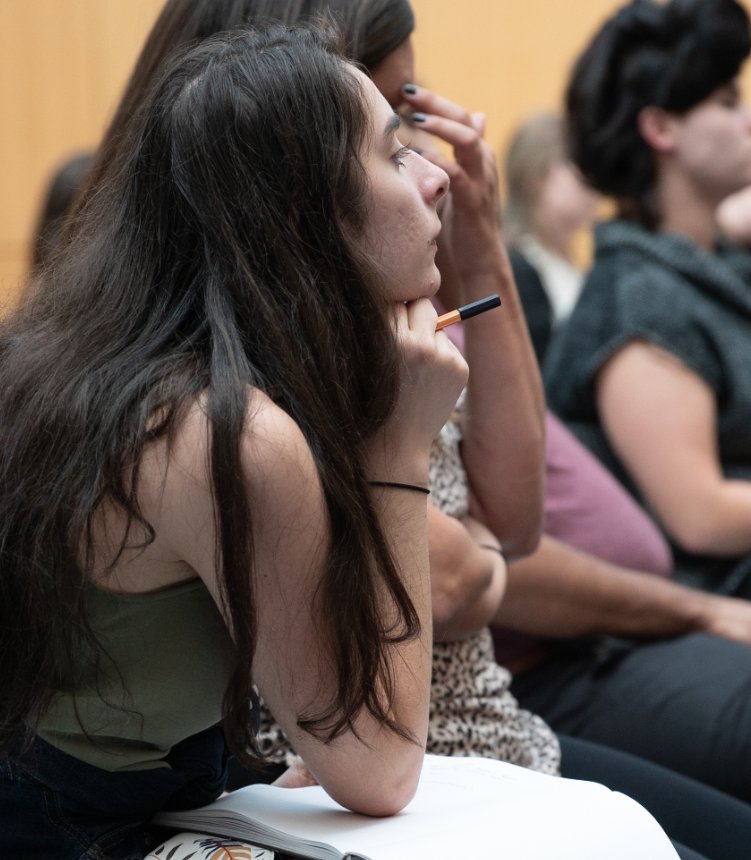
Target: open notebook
(464, 808)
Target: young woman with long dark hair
(500, 449)
(376, 34)
(217, 410)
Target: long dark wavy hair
(217, 251)
(369, 30)
(668, 55)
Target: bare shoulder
(274, 448)
(271, 445)
(278, 469)
(176, 498)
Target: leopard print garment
(472, 712)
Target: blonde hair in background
(535, 147)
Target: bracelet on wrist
(398, 485)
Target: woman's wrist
(384, 466)
(400, 485)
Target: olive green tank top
(165, 680)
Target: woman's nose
(437, 183)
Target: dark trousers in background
(684, 703)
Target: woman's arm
(467, 578)
(561, 592)
(661, 420)
(503, 448)
(368, 768)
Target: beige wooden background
(64, 62)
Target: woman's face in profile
(402, 223)
(712, 143)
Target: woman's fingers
(426, 101)
(464, 139)
(446, 119)
(474, 163)
(297, 775)
(479, 122)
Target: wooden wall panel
(62, 66)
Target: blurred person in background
(548, 207)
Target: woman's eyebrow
(392, 125)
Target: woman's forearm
(560, 592)
(467, 578)
(504, 432)
(479, 613)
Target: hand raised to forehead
(473, 172)
(472, 213)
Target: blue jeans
(55, 807)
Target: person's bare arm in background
(561, 592)
(467, 575)
(503, 448)
(661, 419)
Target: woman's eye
(398, 156)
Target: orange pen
(467, 311)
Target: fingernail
(410, 89)
(418, 117)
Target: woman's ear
(657, 128)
